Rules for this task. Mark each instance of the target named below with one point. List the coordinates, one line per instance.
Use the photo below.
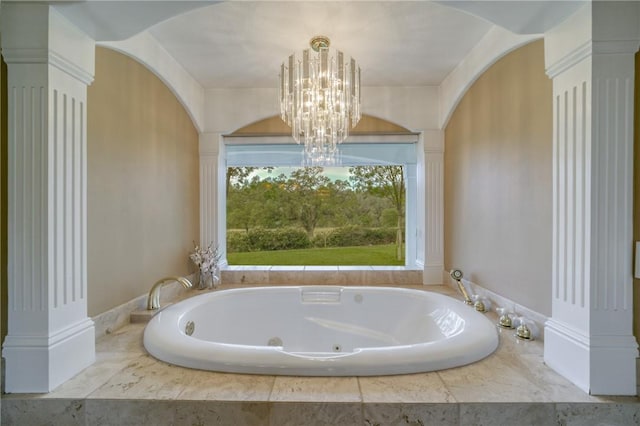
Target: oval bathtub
(320, 331)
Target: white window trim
(427, 253)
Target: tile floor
(126, 386)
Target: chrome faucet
(153, 301)
(456, 274)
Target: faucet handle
(526, 329)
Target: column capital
(36, 33)
(209, 144)
(598, 28)
(433, 141)
(570, 59)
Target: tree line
(373, 196)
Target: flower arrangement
(206, 260)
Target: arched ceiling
(240, 44)
(519, 17)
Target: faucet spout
(153, 301)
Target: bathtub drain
(189, 328)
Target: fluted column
(50, 63)
(210, 216)
(434, 206)
(589, 338)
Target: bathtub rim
(459, 350)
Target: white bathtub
(320, 331)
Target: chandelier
(320, 99)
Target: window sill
(302, 268)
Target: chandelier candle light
(320, 100)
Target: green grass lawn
(363, 255)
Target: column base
(36, 364)
(432, 275)
(599, 365)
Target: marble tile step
(32, 411)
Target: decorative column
(210, 217)
(50, 63)
(411, 220)
(433, 173)
(590, 57)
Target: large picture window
(362, 212)
(316, 215)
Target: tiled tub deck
(126, 386)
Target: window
(320, 215)
(268, 169)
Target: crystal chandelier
(320, 99)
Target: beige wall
(142, 182)
(498, 180)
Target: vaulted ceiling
(236, 44)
